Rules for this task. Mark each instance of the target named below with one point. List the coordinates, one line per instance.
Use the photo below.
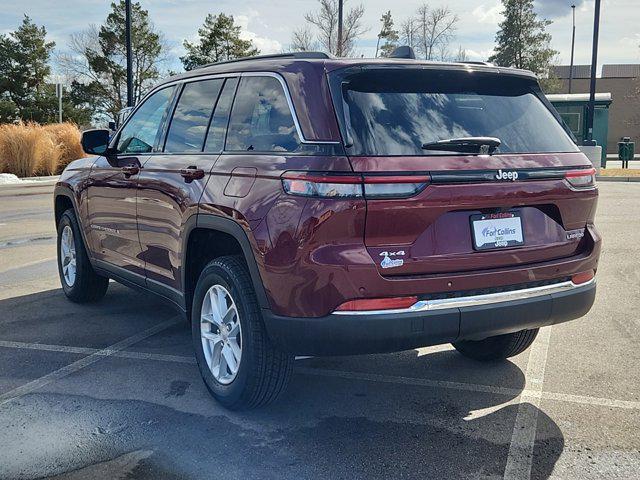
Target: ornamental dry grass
(67, 137)
(29, 149)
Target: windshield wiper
(478, 145)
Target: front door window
(140, 134)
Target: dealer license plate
(496, 230)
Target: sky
(269, 23)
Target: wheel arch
(230, 238)
(63, 200)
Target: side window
(139, 134)
(191, 116)
(218, 128)
(260, 119)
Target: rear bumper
(431, 323)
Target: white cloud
(479, 55)
(488, 14)
(265, 45)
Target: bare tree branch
(436, 29)
(326, 22)
(302, 40)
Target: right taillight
(581, 178)
(328, 185)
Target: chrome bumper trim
(475, 300)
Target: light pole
(594, 65)
(59, 91)
(573, 44)
(340, 6)
(127, 34)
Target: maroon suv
(305, 205)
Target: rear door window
(396, 111)
(188, 127)
(141, 132)
(261, 120)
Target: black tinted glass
(261, 120)
(191, 117)
(218, 127)
(139, 134)
(395, 112)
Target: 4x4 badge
(388, 262)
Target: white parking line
(86, 361)
(368, 377)
(523, 438)
(28, 264)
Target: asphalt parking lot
(111, 390)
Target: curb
(618, 179)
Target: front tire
(80, 282)
(498, 347)
(238, 363)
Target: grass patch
(28, 149)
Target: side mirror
(95, 142)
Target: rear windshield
(395, 111)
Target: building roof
(621, 70)
(577, 97)
(579, 71)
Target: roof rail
(476, 62)
(294, 55)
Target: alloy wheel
(221, 334)
(68, 256)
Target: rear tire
(498, 347)
(240, 366)
(80, 282)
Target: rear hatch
(491, 177)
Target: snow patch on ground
(9, 179)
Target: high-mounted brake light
(581, 178)
(368, 304)
(353, 185)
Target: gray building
(623, 82)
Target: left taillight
(581, 179)
(353, 186)
(322, 185)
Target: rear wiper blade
(480, 145)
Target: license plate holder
(493, 231)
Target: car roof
(304, 72)
(292, 62)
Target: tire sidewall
(227, 394)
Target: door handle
(191, 173)
(129, 170)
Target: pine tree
(219, 40)
(522, 41)
(24, 68)
(388, 34)
(99, 63)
